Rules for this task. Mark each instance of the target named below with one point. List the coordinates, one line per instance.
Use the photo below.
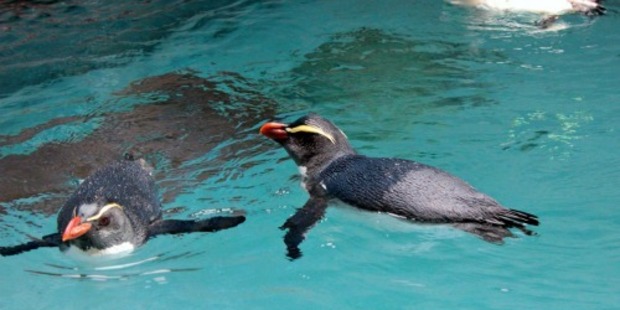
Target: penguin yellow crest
(104, 210)
(311, 129)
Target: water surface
(528, 116)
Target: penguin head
(311, 140)
(98, 226)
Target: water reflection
(374, 69)
(44, 40)
(102, 269)
(555, 133)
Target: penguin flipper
(301, 222)
(51, 240)
(184, 226)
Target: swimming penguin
(114, 210)
(550, 9)
(331, 169)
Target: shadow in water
(182, 117)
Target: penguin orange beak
(274, 131)
(75, 229)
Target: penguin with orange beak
(116, 210)
(332, 170)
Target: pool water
(528, 116)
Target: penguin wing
(423, 193)
(51, 240)
(301, 222)
(408, 189)
(183, 226)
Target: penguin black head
(100, 226)
(311, 140)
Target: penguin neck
(118, 249)
(312, 168)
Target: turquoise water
(527, 116)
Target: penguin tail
(498, 228)
(518, 219)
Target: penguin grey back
(421, 193)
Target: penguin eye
(104, 221)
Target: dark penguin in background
(114, 210)
(331, 169)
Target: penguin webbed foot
(525, 230)
(298, 224)
(598, 11)
(489, 233)
(187, 226)
(292, 239)
(51, 240)
(494, 233)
